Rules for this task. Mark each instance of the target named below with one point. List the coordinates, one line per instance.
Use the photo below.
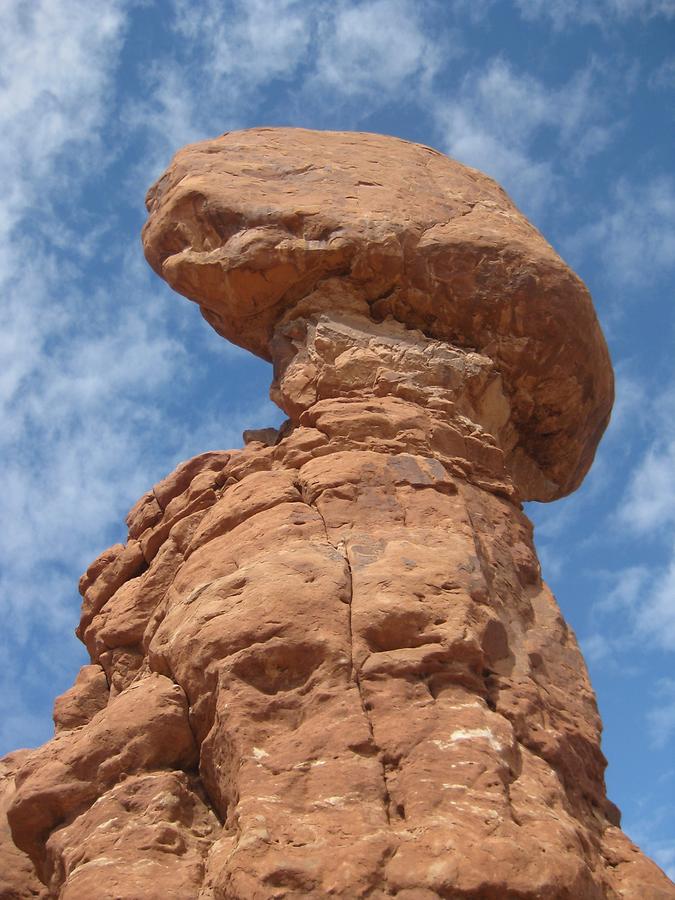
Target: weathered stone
(265, 436)
(334, 668)
(264, 225)
(18, 878)
(144, 514)
(80, 703)
(144, 729)
(181, 479)
(102, 579)
(147, 837)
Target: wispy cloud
(320, 57)
(57, 61)
(634, 602)
(637, 607)
(246, 42)
(649, 828)
(500, 119)
(211, 76)
(57, 64)
(662, 78)
(634, 235)
(564, 13)
(597, 648)
(376, 48)
(641, 597)
(661, 718)
(94, 361)
(649, 504)
(625, 591)
(655, 610)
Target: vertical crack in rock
(355, 676)
(207, 799)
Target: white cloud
(635, 235)
(639, 606)
(649, 504)
(346, 56)
(210, 80)
(374, 47)
(498, 116)
(638, 602)
(663, 853)
(661, 718)
(631, 410)
(474, 140)
(597, 648)
(656, 614)
(94, 366)
(168, 116)
(652, 831)
(474, 11)
(248, 42)
(627, 588)
(594, 12)
(663, 76)
(57, 57)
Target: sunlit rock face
(326, 665)
(267, 225)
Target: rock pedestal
(326, 665)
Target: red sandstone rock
(326, 664)
(18, 879)
(258, 225)
(88, 696)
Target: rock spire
(326, 665)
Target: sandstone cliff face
(326, 664)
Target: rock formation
(326, 665)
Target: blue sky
(107, 379)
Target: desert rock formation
(326, 664)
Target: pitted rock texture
(326, 665)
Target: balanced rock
(326, 665)
(264, 226)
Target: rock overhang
(253, 226)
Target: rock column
(448, 739)
(326, 665)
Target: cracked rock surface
(326, 665)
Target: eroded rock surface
(326, 664)
(266, 224)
